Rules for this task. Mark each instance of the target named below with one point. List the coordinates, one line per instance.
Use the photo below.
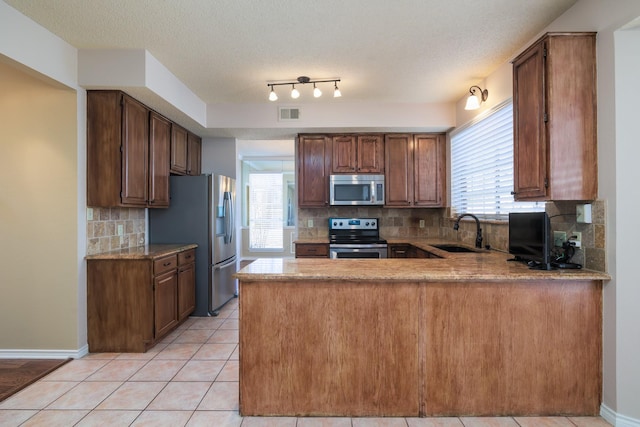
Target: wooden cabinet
(179, 148)
(165, 295)
(312, 250)
(186, 283)
(353, 154)
(405, 250)
(185, 152)
(159, 141)
(133, 302)
(117, 150)
(415, 170)
(314, 168)
(130, 152)
(401, 251)
(554, 100)
(194, 154)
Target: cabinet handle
(513, 193)
(400, 252)
(166, 264)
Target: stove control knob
(373, 223)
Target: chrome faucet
(456, 226)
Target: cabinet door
(399, 251)
(428, 168)
(530, 176)
(165, 287)
(398, 170)
(370, 154)
(135, 154)
(179, 147)
(159, 148)
(344, 159)
(186, 290)
(194, 154)
(312, 250)
(314, 168)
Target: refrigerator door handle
(227, 265)
(228, 217)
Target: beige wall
(38, 214)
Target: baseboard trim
(616, 419)
(44, 354)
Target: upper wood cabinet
(194, 154)
(314, 168)
(130, 152)
(117, 150)
(159, 143)
(353, 154)
(554, 100)
(185, 152)
(415, 170)
(179, 148)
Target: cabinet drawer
(187, 257)
(167, 263)
(320, 250)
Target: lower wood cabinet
(312, 250)
(133, 303)
(186, 283)
(405, 250)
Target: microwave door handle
(373, 191)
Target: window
(268, 201)
(265, 211)
(482, 167)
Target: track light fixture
(304, 80)
(473, 103)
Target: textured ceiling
(226, 51)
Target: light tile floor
(189, 379)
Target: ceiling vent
(288, 113)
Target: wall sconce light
(473, 103)
(304, 80)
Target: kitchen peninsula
(463, 334)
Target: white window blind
(266, 212)
(482, 167)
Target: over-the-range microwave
(356, 190)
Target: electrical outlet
(559, 237)
(576, 237)
(309, 223)
(89, 214)
(120, 229)
(422, 223)
(583, 213)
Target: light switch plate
(583, 213)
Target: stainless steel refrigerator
(201, 211)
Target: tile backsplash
(439, 224)
(102, 230)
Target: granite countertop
(482, 265)
(143, 252)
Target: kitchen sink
(453, 248)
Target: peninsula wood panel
(329, 349)
(520, 348)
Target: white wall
(626, 234)
(219, 156)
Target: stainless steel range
(356, 238)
